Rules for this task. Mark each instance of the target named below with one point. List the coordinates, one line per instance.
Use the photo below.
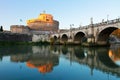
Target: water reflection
(15, 50)
(79, 53)
(40, 58)
(114, 54)
(103, 59)
(46, 58)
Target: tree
(1, 29)
(52, 41)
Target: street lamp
(71, 26)
(107, 17)
(71, 30)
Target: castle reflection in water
(45, 58)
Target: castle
(40, 28)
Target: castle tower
(44, 22)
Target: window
(47, 19)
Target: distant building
(40, 28)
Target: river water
(59, 63)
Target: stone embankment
(14, 37)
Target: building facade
(44, 22)
(40, 28)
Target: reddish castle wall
(18, 29)
(36, 26)
(43, 26)
(44, 22)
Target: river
(59, 63)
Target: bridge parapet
(104, 23)
(109, 22)
(98, 32)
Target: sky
(67, 12)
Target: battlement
(48, 18)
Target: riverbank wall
(14, 37)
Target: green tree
(1, 29)
(52, 41)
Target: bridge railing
(108, 22)
(100, 24)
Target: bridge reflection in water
(104, 59)
(46, 58)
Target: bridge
(96, 33)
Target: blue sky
(65, 11)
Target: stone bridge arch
(104, 34)
(79, 36)
(55, 37)
(64, 38)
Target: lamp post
(92, 28)
(71, 25)
(107, 17)
(59, 36)
(21, 21)
(92, 31)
